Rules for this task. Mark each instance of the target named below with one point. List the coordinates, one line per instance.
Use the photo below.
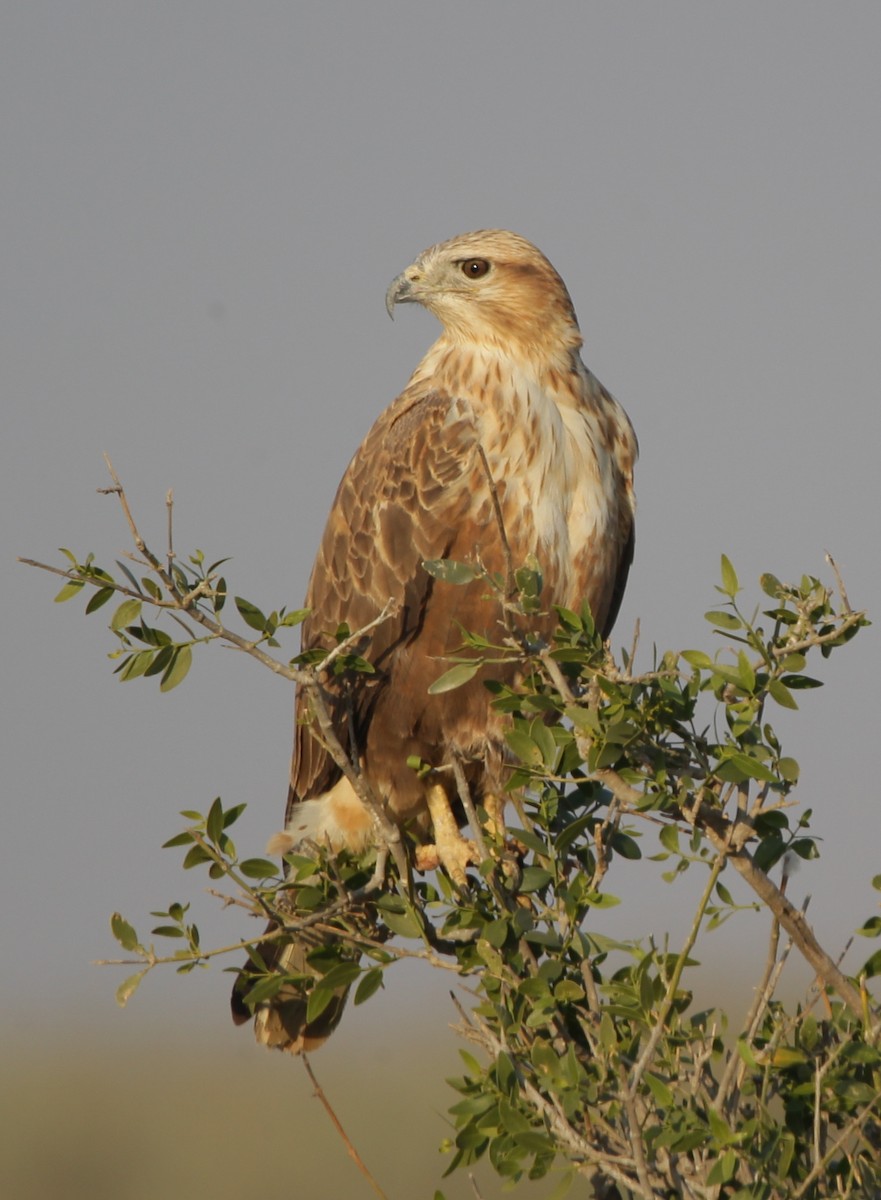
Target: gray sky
(203, 204)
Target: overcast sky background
(203, 204)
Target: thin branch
(510, 586)
(347, 1142)
(720, 832)
(845, 603)
(387, 831)
(635, 643)
(636, 1142)
(391, 607)
(583, 1151)
(151, 959)
(852, 1127)
(78, 577)
(659, 1027)
(169, 553)
(464, 793)
(474, 1187)
(556, 676)
(820, 639)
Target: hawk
(501, 435)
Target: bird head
(491, 286)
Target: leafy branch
(591, 1052)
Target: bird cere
(502, 447)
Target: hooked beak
(400, 292)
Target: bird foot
(454, 854)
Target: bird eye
(475, 268)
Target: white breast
(557, 473)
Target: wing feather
(402, 500)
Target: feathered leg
(452, 851)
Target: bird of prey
(502, 447)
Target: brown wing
(401, 501)
(628, 534)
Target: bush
(590, 1057)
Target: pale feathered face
(492, 287)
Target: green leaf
(69, 591)
(722, 1131)
(296, 617)
(257, 868)
(126, 990)
(669, 838)
(524, 747)
(161, 660)
(746, 672)
(135, 666)
(400, 918)
(123, 932)
(800, 682)
(126, 614)
(730, 585)
(341, 975)
(805, 848)
(180, 839)
(447, 570)
(100, 598)
(214, 821)
(490, 956)
(748, 766)
(623, 844)
(724, 1168)
(781, 693)
(534, 878)
(697, 658)
(176, 671)
(496, 933)
(371, 982)
(663, 1095)
(745, 1052)
(232, 814)
(724, 620)
(319, 998)
(250, 614)
(455, 677)
(195, 856)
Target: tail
(280, 1022)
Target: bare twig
(347, 1141)
(845, 603)
(510, 586)
(389, 610)
(556, 676)
(635, 643)
(464, 793)
(169, 553)
(477, 1193)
